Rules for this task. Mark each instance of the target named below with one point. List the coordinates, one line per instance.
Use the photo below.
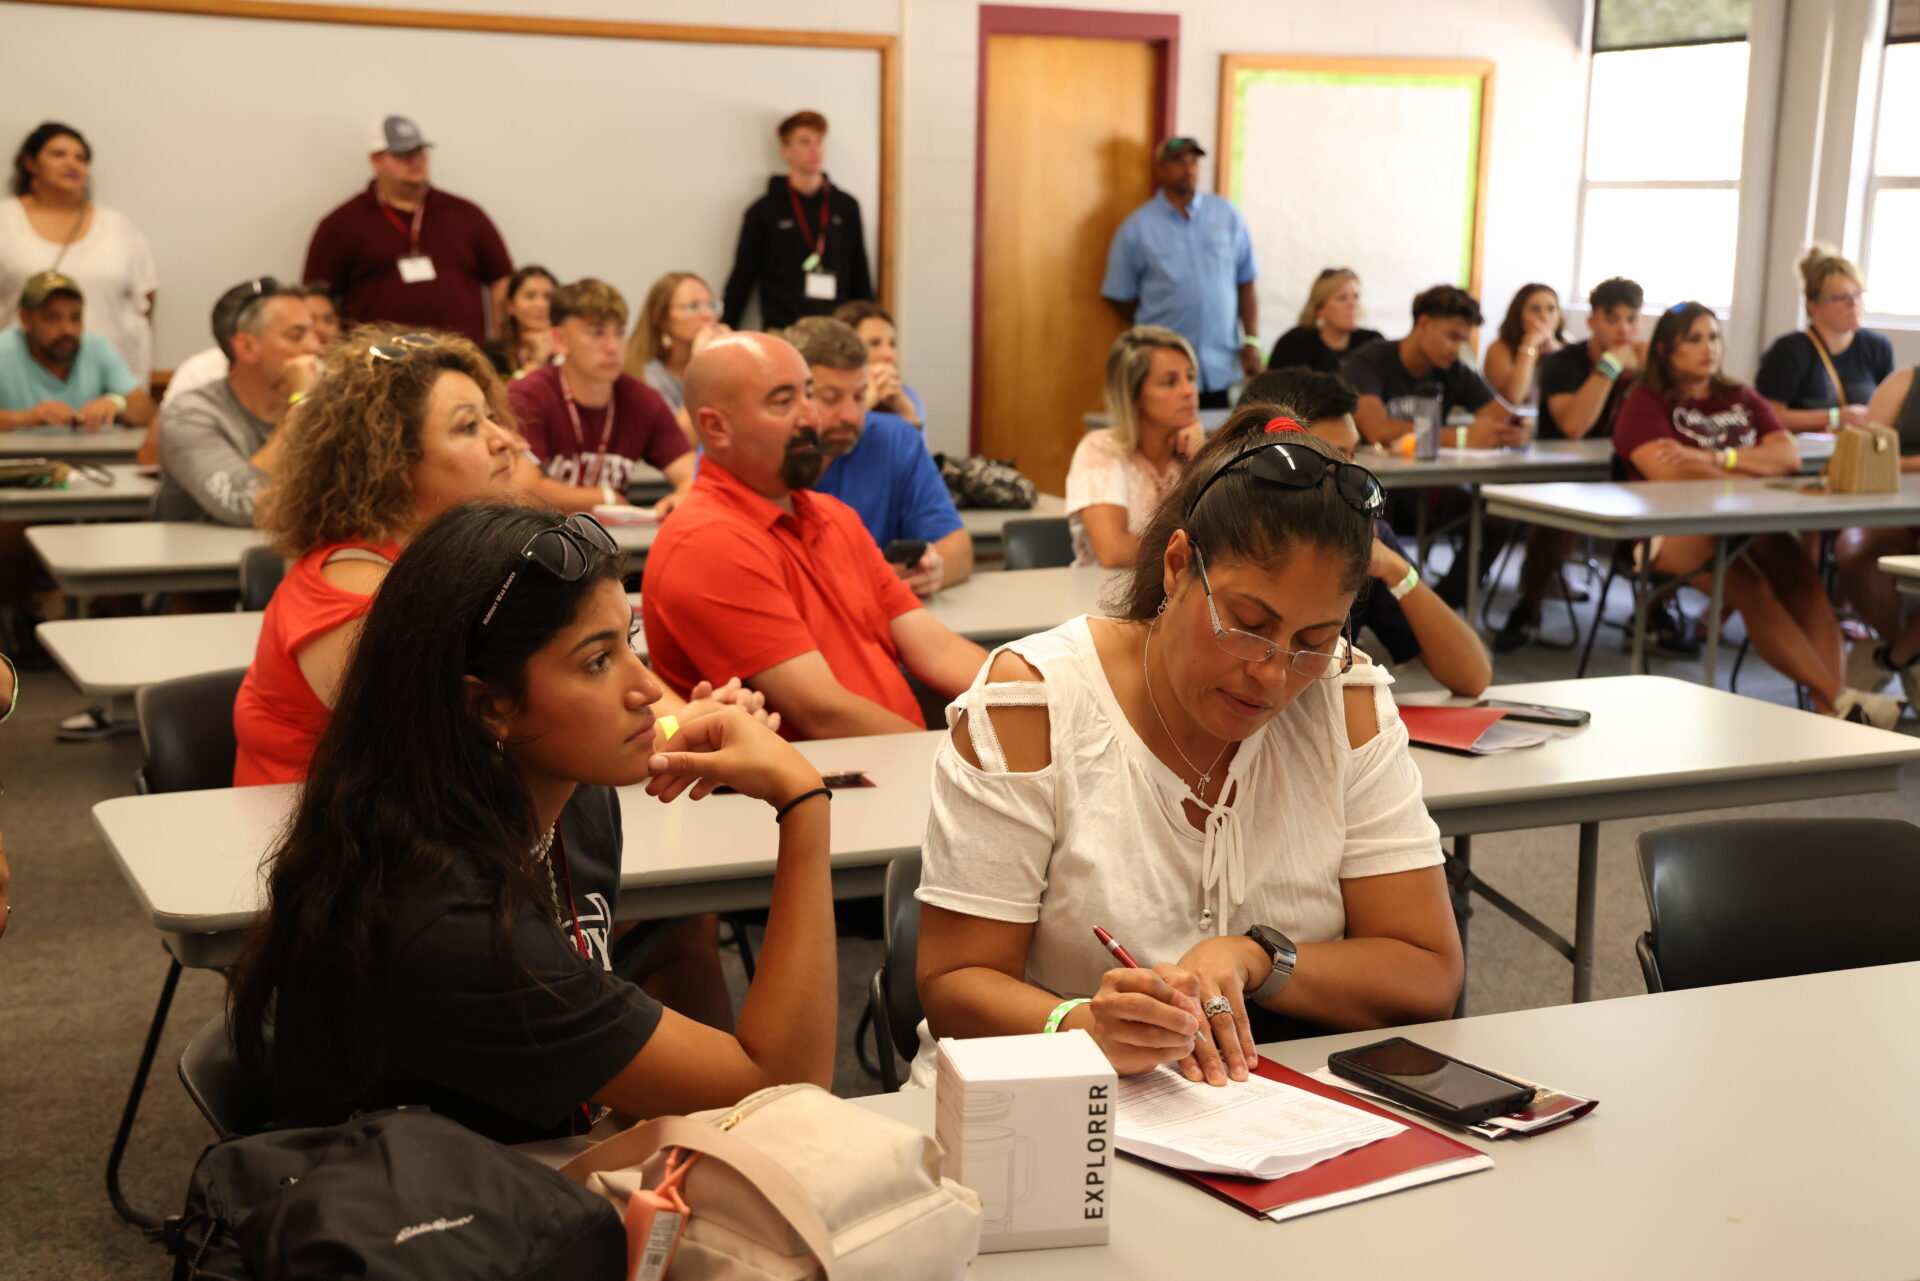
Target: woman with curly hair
(399, 428)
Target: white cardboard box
(1027, 1122)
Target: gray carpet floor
(79, 971)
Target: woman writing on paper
(1120, 472)
(1215, 775)
(439, 911)
(1820, 378)
(1685, 420)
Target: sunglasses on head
(1297, 467)
(262, 285)
(565, 550)
(400, 348)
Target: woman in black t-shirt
(439, 912)
(1329, 326)
(1820, 377)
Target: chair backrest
(899, 986)
(261, 570)
(1752, 899)
(1039, 542)
(234, 1099)
(186, 726)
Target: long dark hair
(1674, 324)
(510, 334)
(1514, 328)
(35, 143)
(1246, 517)
(406, 787)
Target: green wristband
(1608, 367)
(1060, 1012)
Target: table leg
(1473, 556)
(1714, 610)
(1421, 539)
(1637, 660)
(1460, 873)
(1586, 901)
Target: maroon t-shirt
(357, 249)
(643, 429)
(1738, 421)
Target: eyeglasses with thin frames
(1249, 648)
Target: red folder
(1414, 1156)
(1456, 729)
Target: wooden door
(1069, 129)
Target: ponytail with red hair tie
(1283, 424)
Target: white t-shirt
(201, 369)
(1099, 837)
(1099, 474)
(112, 265)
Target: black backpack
(986, 482)
(395, 1194)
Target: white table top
(1905, 571)
(1740, 505)
(111, 445)
(1711, 1154)
(1544, 460)
(153, 547)
(1658, 746)
(995, 607)
(130, 495)
(988, 524)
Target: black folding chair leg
(738, 923)
(1599, 614)
(132, 1109)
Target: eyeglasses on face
(1251, 648)
(565, 550)
(707, 307)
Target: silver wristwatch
(1280, 950)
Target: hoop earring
(666, 342)
(1163, 606)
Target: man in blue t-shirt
(53, 373)
(877, 463)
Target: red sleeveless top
(277, 717)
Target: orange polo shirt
(734, 585)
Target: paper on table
(1255, 1128)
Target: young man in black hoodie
(802, 243)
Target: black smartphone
(1539, 713)
(1429, 1082)
(906, 551)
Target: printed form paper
(1256, 1128)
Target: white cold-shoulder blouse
(1099, 836)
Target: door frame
(1161, 30)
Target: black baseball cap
(1179, 145)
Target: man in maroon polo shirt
(757, 574)
(403, 252)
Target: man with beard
(754, 573)
(877, 463)
(53, 373)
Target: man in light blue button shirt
(1184, 260)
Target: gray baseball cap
(397, 133)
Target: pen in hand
(1113, 945)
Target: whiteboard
(226, 140)
(1379, 171)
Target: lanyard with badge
(416, 268)
(822, 286)
(580, 434)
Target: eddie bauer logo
(1094, 1204)
(438, 1225)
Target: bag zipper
(753, 1103)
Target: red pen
(1113, 945)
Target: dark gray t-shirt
(207, 442)
(1792, 372)
(1375, 370)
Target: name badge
(417, 269)
(823, 286)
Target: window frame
(1721, 305)
(1878, 182)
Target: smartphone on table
(1539, 713)
(906, 551)
(1429, 1082)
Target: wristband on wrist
(119, 402)
(1833, 418)
(1732, 456)
(1060, 1012)
(1399, 590)
(296, 398)
(781, 813)
(608, 496)
(1608, 367)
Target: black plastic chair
(186, 729)
(1749, 899)
(1039, 542)
(235, 1099)
(893, 994)
(261, 570)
